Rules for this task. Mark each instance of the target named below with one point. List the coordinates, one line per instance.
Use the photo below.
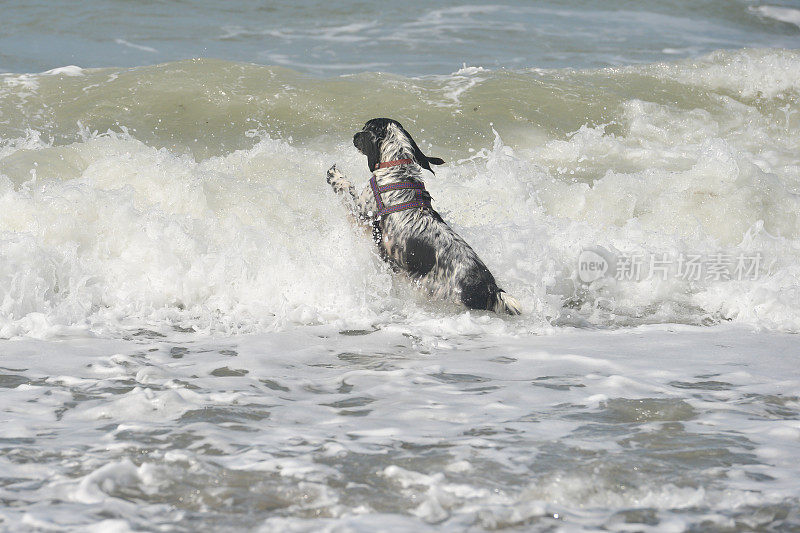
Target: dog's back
(421, 243)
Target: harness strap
(419, 199)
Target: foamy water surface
(196, 338)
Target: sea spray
(193, 193)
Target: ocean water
(193, 336)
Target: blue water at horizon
(410, 38)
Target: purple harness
(419, 199)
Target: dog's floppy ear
(423, 160)
(367, 144)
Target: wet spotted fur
(417, 240)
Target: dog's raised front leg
(339, 182)
(341, 185)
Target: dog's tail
(504, 303)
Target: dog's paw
(332, 173)
(337, 179)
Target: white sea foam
(748, 73)
(156, 233)
(310, 428)
(109, 230)
(781, 13)
(201, 339)
(69, 70)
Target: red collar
(393, 163)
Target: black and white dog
(409, 233)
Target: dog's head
(384, 139)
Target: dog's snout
(360, 142)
